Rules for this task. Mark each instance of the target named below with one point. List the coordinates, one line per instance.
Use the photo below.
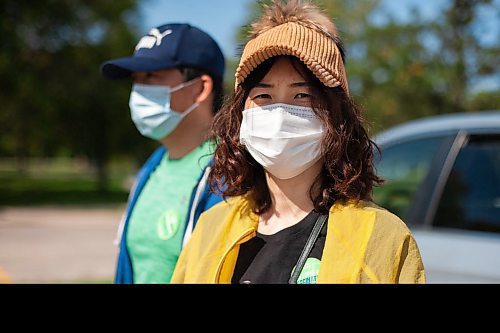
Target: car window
(403, 166)
(471, 196)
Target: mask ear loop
(184, 84)
(179, 87)
(189, 110)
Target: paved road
(51, 245)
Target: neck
(290, 200)
(189, 134)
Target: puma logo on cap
(155, 37)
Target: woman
(296, 162)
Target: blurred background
(69, 150)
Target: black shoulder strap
(320, 222)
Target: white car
(443, 179)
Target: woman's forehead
(283, 70)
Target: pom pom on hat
(297, 28)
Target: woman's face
(282, 84)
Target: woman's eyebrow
(292, 85)
(300, 84)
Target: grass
(62, 182)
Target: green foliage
(411, 70)
(63, 181)
(54, 100)
(21, 190)
(486, 100)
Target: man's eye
(152, 75)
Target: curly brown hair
(347, 172)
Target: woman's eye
(302, 96)
(262, 96)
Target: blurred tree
(461, 49)
(395, 76)
(404, 70)
(486, 100)
(54, 101)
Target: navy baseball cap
(169, 46)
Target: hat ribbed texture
(317, 51)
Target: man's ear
(207, 88)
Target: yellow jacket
(364, 244)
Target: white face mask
(285, 139)
(151, 112)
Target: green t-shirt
(155, 232)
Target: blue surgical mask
(151, 112)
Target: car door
(460, 238)
(410, 168)
(446, 188)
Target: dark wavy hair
(347, 172)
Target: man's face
(181, 99)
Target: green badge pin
(168, 224)
(310, 272)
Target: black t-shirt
(272, 258)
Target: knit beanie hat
(297, 28)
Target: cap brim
(122, 68)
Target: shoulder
(386, 219)
(222, 214)
(379, 239)
(218, 226)
(367, 214)
(224, 207)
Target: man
(177, 72)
